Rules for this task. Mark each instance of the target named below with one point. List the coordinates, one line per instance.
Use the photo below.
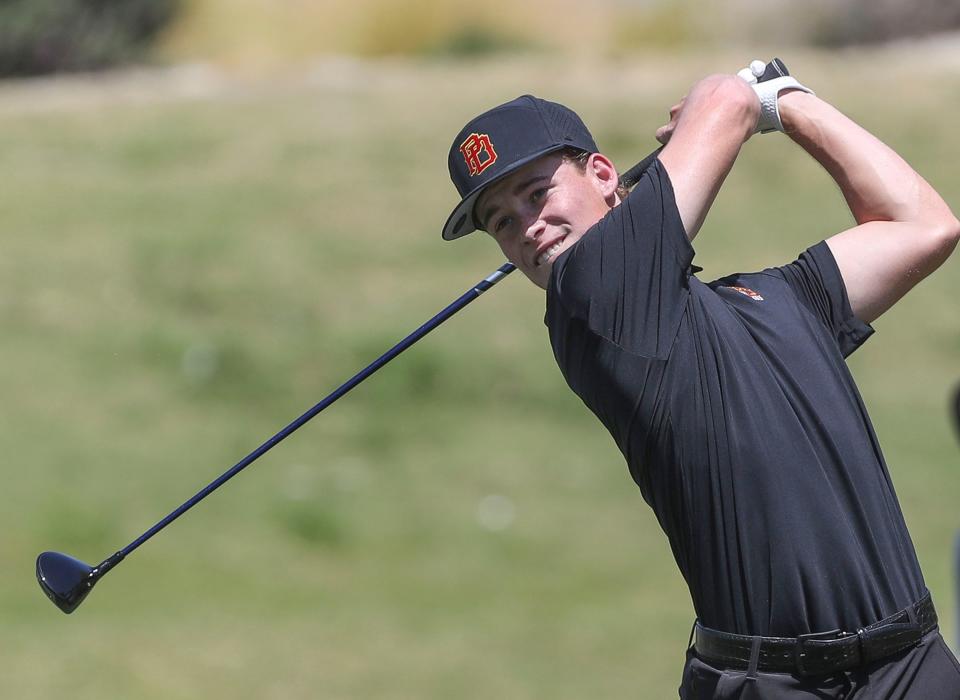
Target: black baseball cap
(500, 141)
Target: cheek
(508, 249)
(574, 209)
(588, 212)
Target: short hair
(579, 158)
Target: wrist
(793, 104)
(769, 93)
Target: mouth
(549, 253)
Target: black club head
(65, 580)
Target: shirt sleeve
(627, 277)
(816, 280)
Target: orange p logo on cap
(478, 152)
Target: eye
(501, 223)
(538, 194)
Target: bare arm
(905, 230)
(703, 139)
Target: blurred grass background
(193, 255)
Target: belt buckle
(802, 639)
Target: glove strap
(768, 91)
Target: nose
(534, 230)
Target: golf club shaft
(468, 296)
(628, 179)
(633, 175)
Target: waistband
(819, 653)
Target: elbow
(941, 240)
(952, 231)
(949, 235)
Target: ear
(605, 177)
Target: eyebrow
(520, 187)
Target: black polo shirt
(739, 420)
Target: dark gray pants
(928, 671)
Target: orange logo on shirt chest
(746, 291)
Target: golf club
(67, 581)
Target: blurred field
(190, 260)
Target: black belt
(820, 653)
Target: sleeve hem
(852, 330)
(684, 250)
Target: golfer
(730, 400)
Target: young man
(730, 400)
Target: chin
(540, 276)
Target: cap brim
(461, 222)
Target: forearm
(877, 184)
(904, 228)
(703, 140)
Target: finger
(747, 75)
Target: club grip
(775, 69)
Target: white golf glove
(768, 91)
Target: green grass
(181, 277)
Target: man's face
(544, 208)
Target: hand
(768, 82)
(664, 133)
(753, 72)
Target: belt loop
(912, 614)
(754, 657)
(692, 632)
